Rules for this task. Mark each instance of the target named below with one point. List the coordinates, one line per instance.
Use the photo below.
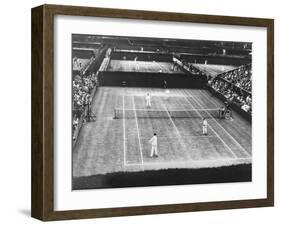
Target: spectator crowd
(82, 65)
(229, 85)
(241, 77)
(82, 87)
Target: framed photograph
(141, 112)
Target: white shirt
(205, 123)
(245, 107)
(147, 98)
(153, 141)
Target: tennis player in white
(165, 86)
(153, 142)
(205, 126)
(148, 100)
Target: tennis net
(120, 113)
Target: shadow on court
(227, 174)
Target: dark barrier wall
(144, 79)
(86, 45)
(83, 54)
(190, 58)
(208, 50)
(220, 60)
(142, 56)
(140, 47)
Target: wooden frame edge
(158, 209)
(42, 203)
(154, 15)
(37, 113)
(270, 111)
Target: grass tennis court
(121, 145)
(142, 66)
(214, 69)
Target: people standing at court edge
(148, 100)
(153, 142)
(205, 127)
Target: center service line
(134, 106)
(210, 125)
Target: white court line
(168, 109)
(163, 137)
(198, 162)
(213, 129)
(177, 131)
(157, 92)
(124, 135)
(175, 162)
(243, 149)
(153, 94)
(138, 132)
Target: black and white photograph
(155, 111)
